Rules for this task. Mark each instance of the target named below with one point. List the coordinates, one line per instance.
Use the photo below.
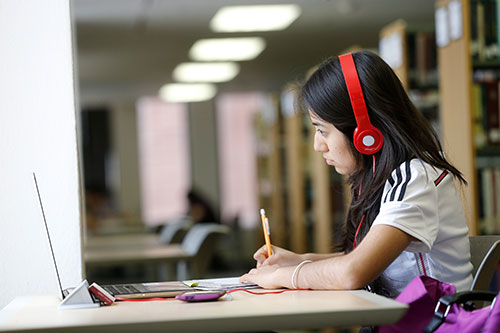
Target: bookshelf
(283, 171)
(302, 195)
(320, 201)
(311, 192)
(268, 125)
(295, 171)
(393, 49)
(469, 63)
(330, 196)
(411, 53)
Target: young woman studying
(405, 218)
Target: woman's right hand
(280, 257)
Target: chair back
(201, 237)
(200, 242)
(174, 232)
(485, 256)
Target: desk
(123, 240)
(126, 255)
(102, 251)
(245, 312)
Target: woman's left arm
(381, 246)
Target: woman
(405, 218)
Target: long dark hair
(407, 134)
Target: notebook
(173, 288)
(149, 289)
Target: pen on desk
(267, 232)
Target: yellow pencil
(267, 232)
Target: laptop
(149, 289)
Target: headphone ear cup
(368, 141)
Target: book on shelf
(489, 199)
(422, 59)
(491, 112)
(486, 108)
(484, 16)
(477, 106)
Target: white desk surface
(245, 312)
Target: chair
(200, 242)
(485, 255)
(174, 232)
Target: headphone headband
(367, 138)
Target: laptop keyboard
(121, 289)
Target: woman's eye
(321, 132)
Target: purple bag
(424, 295)
(421, 295)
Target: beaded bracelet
(296, 270)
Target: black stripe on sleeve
(405, 184)
(400, 179)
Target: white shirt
(423, 202)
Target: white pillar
(37, 134)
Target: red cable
(265, 292)
(422, 261)
(228, 292)
(356, 234)
(144, 299)
(373, 170)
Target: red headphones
(367, 138)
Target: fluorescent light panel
(254, 18)
(186, 92)
(227, 49)
(206, 72)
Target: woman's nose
(319, 143)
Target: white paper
(221, 284)
(288, 104)
(442, 32)
(455, 12)
(391, 50)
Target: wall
(236, 141)
(37, 134)
(124, 141)
(204, 155)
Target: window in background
(237, 156)
(164, 167)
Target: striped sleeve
(409, 203)
(398, 185)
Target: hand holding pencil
(274, 255)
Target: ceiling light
(254, 18)
(226, 49)
(206, 72)
(184, 92)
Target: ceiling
(128, 48)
